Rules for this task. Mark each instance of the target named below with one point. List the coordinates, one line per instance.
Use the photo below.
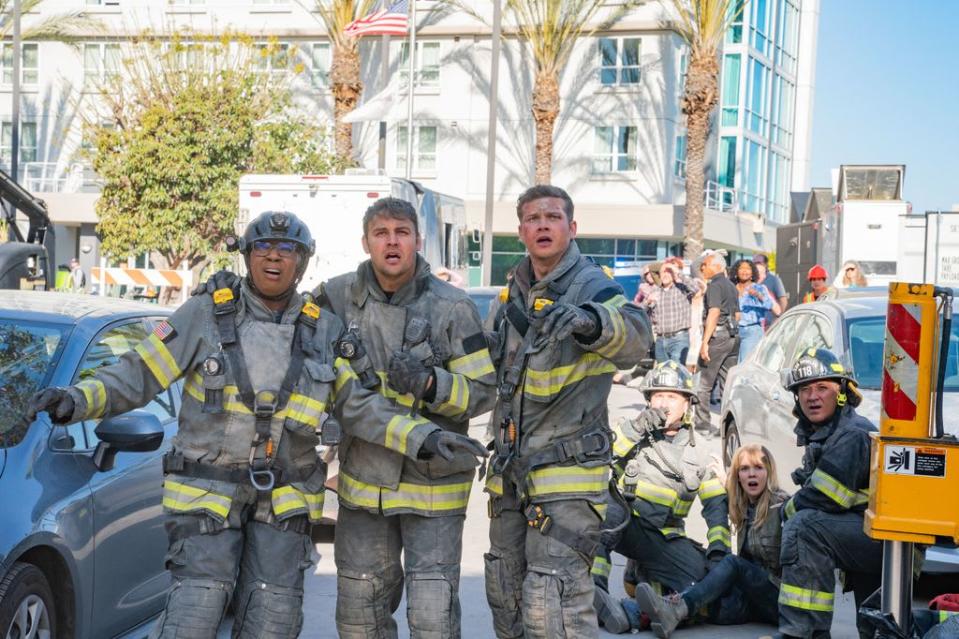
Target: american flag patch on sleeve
(164, 332)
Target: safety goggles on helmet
(283, 248)
(277, 226)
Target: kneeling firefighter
(824, 519)
(242, 481)
(660, 472)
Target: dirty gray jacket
(177, 349)
(373, 476)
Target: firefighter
(661, 471)
(563, 330)
(425, 349)
(242, 481)
(824, 519)
(817, 278)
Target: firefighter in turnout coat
(422, 345)
(661, 472)
(242, 482)
(824, 519)
(562, 331)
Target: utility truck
(25, 260)
(332, 206)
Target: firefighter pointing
(243, 482)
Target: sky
(887, 92)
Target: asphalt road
(320, 599)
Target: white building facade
(619, 145)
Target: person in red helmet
(817, 277)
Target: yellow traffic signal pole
(914, 471)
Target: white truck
(929, 248)
(333, 207)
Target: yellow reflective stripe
(718, 533)
(398, 429)
(183, 498)
(945, 614)
(862, 497)
(159, 360)
(431, 498)
(567, 479)
(673, 530)
(601, 567)
(389, 393)
(618, 338)
(287, 498)
(299, 408)
(494, 485)
(833, 488)
(474, 365)
(231, 394)
(356, 492)
(682, 506)
(95, 394)
(344, 373)
(549, 382)
(622, 443)
(797, 597)
(711, 488)
(459, 400)
(656, 494)
(790, 508)
(303, 409)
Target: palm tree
(65, 26)
(345, 66)
(702, 24)
(551, 27)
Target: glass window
(735, 33)
(730, 93)
(28, 142)
(754, 177)
(727, 161)
(596, 246)
(320, 65)
(101, 62)
(757, 110)
(759, 26)
(679, 166)
(426, 65)
(28, 354)
(787, 35)
(615, 149)
(29, 63)
(778, 343)
(424, 148)
(619, 61)
(871, 184)
(625, 248)
(273, 58)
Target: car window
(778, 343)
(866, 341)
(106, 350)
(816, 333)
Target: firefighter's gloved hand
(56, 401)
(651, 420)
(445, 444)
(220, 279)
(559, 321)
(407, 374)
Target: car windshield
(866, 341)
(28, 353)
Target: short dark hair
(761, 258)
(391, 207)
(752, 268)
(540, 191)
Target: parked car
(756, 408)
(81, 531)
(484, 298)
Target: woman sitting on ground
(742, 588)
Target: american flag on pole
(393, 20)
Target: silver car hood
(869, 408)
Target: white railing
(721, 198)
(54, 177)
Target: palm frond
(703, 23)
(63, 26)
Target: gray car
(756, 408)
(81, 530)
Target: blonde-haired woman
(742, 588)
(851, 276)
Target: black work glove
(559, 321)
(56, 401)
(407, 374)
(220, 279)
(445, 444)
(651, 420)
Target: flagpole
(491, 144)
(412, 81)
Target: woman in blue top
(754, 301)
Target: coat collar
(365, 285)
(524, 271)
(250, 304)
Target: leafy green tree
(183, 122)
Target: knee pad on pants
(194, 609)
(504, 591)
(364, 602)
(556, 605)
(269, 611)
(432, 607)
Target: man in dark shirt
(720, 347)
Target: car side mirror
(136, 432)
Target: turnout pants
(370, 577)
(723, 353)
(537, 586)
(814, 544)
(259, 564)
(675, 563)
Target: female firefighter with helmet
(661, 471)
(824, 519)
